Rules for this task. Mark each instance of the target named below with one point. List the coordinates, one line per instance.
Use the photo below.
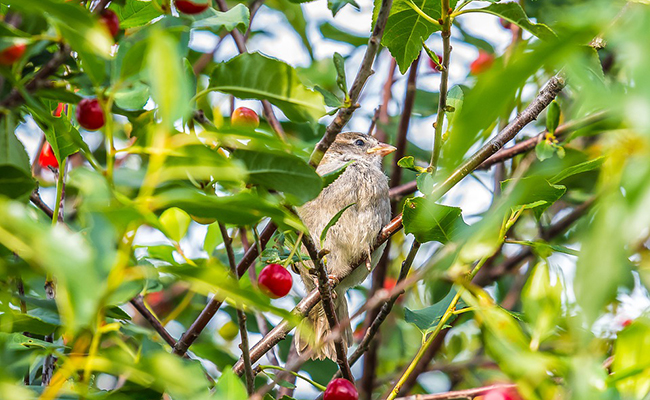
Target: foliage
(534, 271)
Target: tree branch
(35, 198)
(385, 99)
(214, 304)
(365, 70)
(444, 83)
(324, 288)
(460, 394)
(138, 303)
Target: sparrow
(351, 239)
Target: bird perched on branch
(350, 240)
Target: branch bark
(460, 394)
(365, 70)
(385, 99)
(324, 288)
(138, 303)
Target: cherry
(90, 114)
(190, 7)
(482, 63)
(627, 323)
(505, 23)
(434, 67)
(12, 54)
(47, 158)
(275, 281)
(245, 117)
(111, 21)
(340, 389)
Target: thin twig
(365, 70)
(460, 394)
(35, 198)
(214, 304)
(444, 83)
(138, 303)
(241, 316)
(324, 288)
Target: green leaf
(512, 11)
(339, 64)
(408, 162)
(632, 354)
(66, 255)
(330, 177)
(169, 86)
(533, 193)
(132, 96)
(330, 98)
(542, 302)
(406, 29)
(135, 13)
(336, 5)
(212, 238)
(241, 209)
(427, 318)
(15, 170)
(76, 24)
(578, 169)
(229, 386)
(175, 222)
(331, 32)
(545, 150)
(19, 322)
(473, 40)
(552, 116)
(332, 222)
(282, 172)
(455, 98)
(254, 76)
(60, 133)
(426, 103)
(237, 17)
(429, 221)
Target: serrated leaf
(336, 5)
(330, 177)
(429, 221)
(332, 222)
(254, 76)
(135, 13)
(406, 29)
(282, 172)
(427, 318)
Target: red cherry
(482, 63)
(501, 394)
(627, 323)
(90, 114)
(12, 54)
(505, 23)
(190, 7)
(59, 110)
(341, 389)
(434, 67)
(111, 21)
(275, 281)
(245, 117)
(47, 158)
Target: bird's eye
(359, 142)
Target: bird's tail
(315, 328)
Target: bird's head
(356, 146)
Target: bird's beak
(383, 149)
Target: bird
(363, 185)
